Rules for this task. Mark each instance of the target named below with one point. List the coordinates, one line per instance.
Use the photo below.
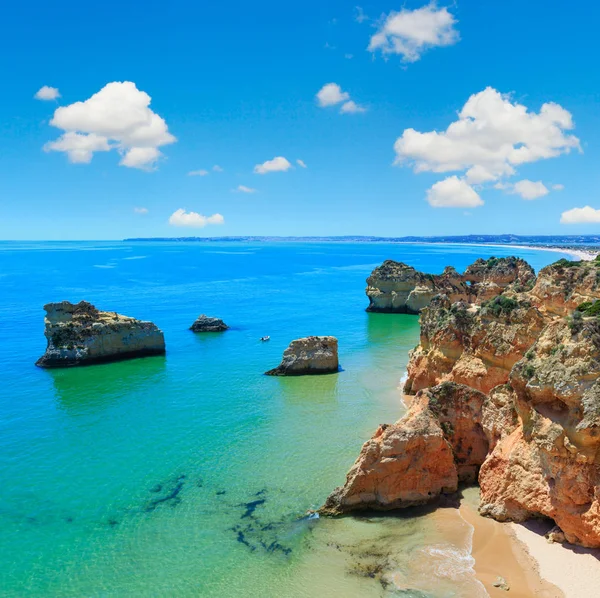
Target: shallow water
(190, 474)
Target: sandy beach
(573, 569)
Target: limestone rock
(80, 334)
(310, 355)
(395, 287)
(439, 442)
(205, 323)
(472, 345)
(550, 465)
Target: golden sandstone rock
(79, 334)
(507, 392)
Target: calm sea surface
(190, 475)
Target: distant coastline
(580, 247)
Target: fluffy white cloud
(580, 216)
(201, 172)
(301, 163)
(558, 187)
(117, 117)
(217, 168)
(530, 189)
(351, 107)
(47, 93)
(359, 14)
(331, 94)
(140, 210)
(194, 220)
(453, 193)
(80, 148)
(410, 32)
(491, 138)
(278, 164)
(244, 189)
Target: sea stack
(307, 356)
(80, 334)
(205, 323)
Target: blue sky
(236, 86)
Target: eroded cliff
(506, 392)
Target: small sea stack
(80, 334)
(309, 356)
(205, 323)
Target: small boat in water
(264, 339)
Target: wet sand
(497, 553)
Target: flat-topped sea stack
(506, 385)
(205, 323)
(80, 334)
(395, 287)
(309, 356)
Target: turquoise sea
(190, 475)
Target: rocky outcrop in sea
(506, 392)
(310, 355)
(395, 287)
(80, 334)
(205, 323)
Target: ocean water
(191, 474)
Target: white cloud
(47, 93)
(301, 163)
(244, 189)
(80, 148)
(351, 107)
(530, 189)
(201, 172)
(453, 193)
(409, 33)
(580, 216)
(194, 220)
(331, 94)
(140, 210)
(491, 138)
(217, 168)
(558, 187)
(278, 164)
(117, 117)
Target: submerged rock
(205, 323)
(310, 355)
(80, 334)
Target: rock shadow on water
(315, 390)
(98, 386)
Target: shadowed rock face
(310, 355)
(205, 323)
(395, 287)
(439, 442)
(80, 334)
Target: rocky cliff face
(395, 287)
(79, 334)
(310, 355)
(439, 442)
(204, 323)
(518, 406)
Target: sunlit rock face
(308, 356)
(550, 464)
(395, 287)
(80, 334)
(204, 323)
(506, 391)
(439, 442)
